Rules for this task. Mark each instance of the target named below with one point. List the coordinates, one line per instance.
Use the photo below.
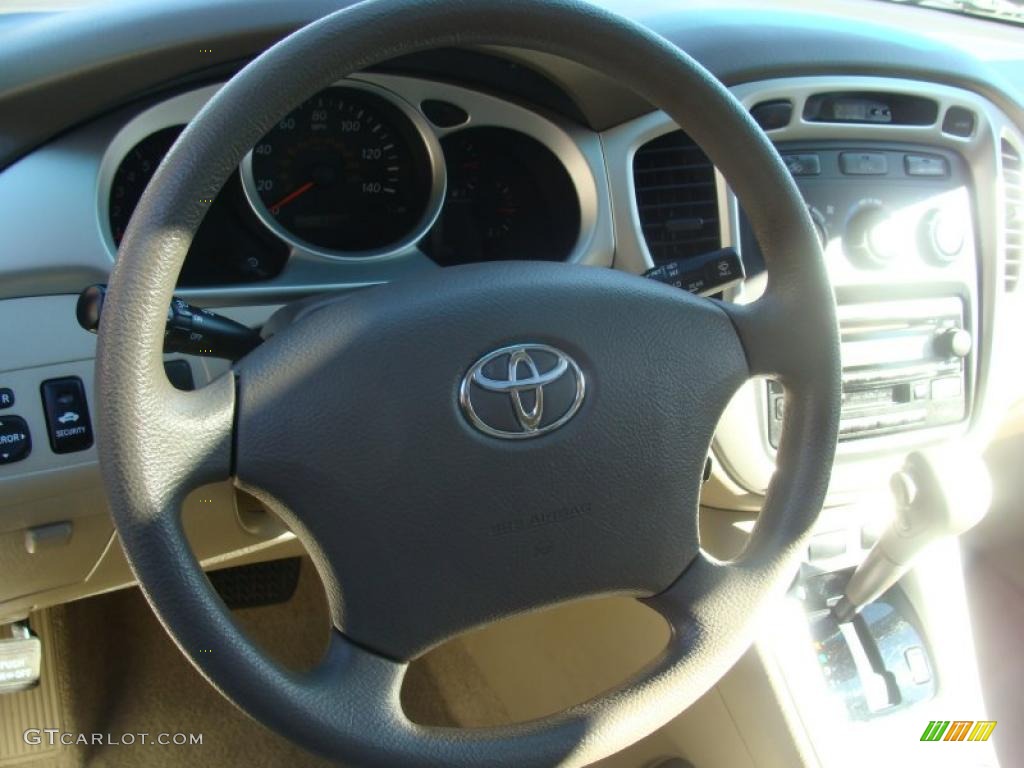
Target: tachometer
(133, 174)
(347, 173)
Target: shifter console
(879, 662)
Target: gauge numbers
(346, 173)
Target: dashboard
(907, 150)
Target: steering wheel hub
(349, 426)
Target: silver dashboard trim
(308, 272)
(579, 150)
(621, 144)
(177, 110)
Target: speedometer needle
(291, 196)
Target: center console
(914, 190)
(903, 185)
(896, 225)
(905, 367)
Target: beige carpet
(122, 674)
(128, 677)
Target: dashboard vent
(1013, 194)
(676, 198)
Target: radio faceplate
(905, 367)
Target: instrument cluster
(358, 173)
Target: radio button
(954, 342)
(901, 393)
(945, 389)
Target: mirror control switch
(15, 440)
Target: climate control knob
(942, 237)
(870, 239)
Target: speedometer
(348, 173)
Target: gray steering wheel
(348, 424)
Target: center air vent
(676, 198)
(1013, 194)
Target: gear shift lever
(938, 493)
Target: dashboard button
(67, 415)
(925, 165)
(773, 114)
(15, 440)
(51, 536)
(179, 373)
(6, 397)
(780, 408)
(863, 163)
(803, 164)
(917, 663)
(943, 389)
(958, 122)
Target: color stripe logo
(958, 730)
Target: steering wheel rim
(157, 443)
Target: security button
(15, 441)
(67, 415)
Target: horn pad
(487, 440)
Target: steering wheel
(354, 425)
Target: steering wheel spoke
(201, 422)
(777, 338)
(183, 439)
